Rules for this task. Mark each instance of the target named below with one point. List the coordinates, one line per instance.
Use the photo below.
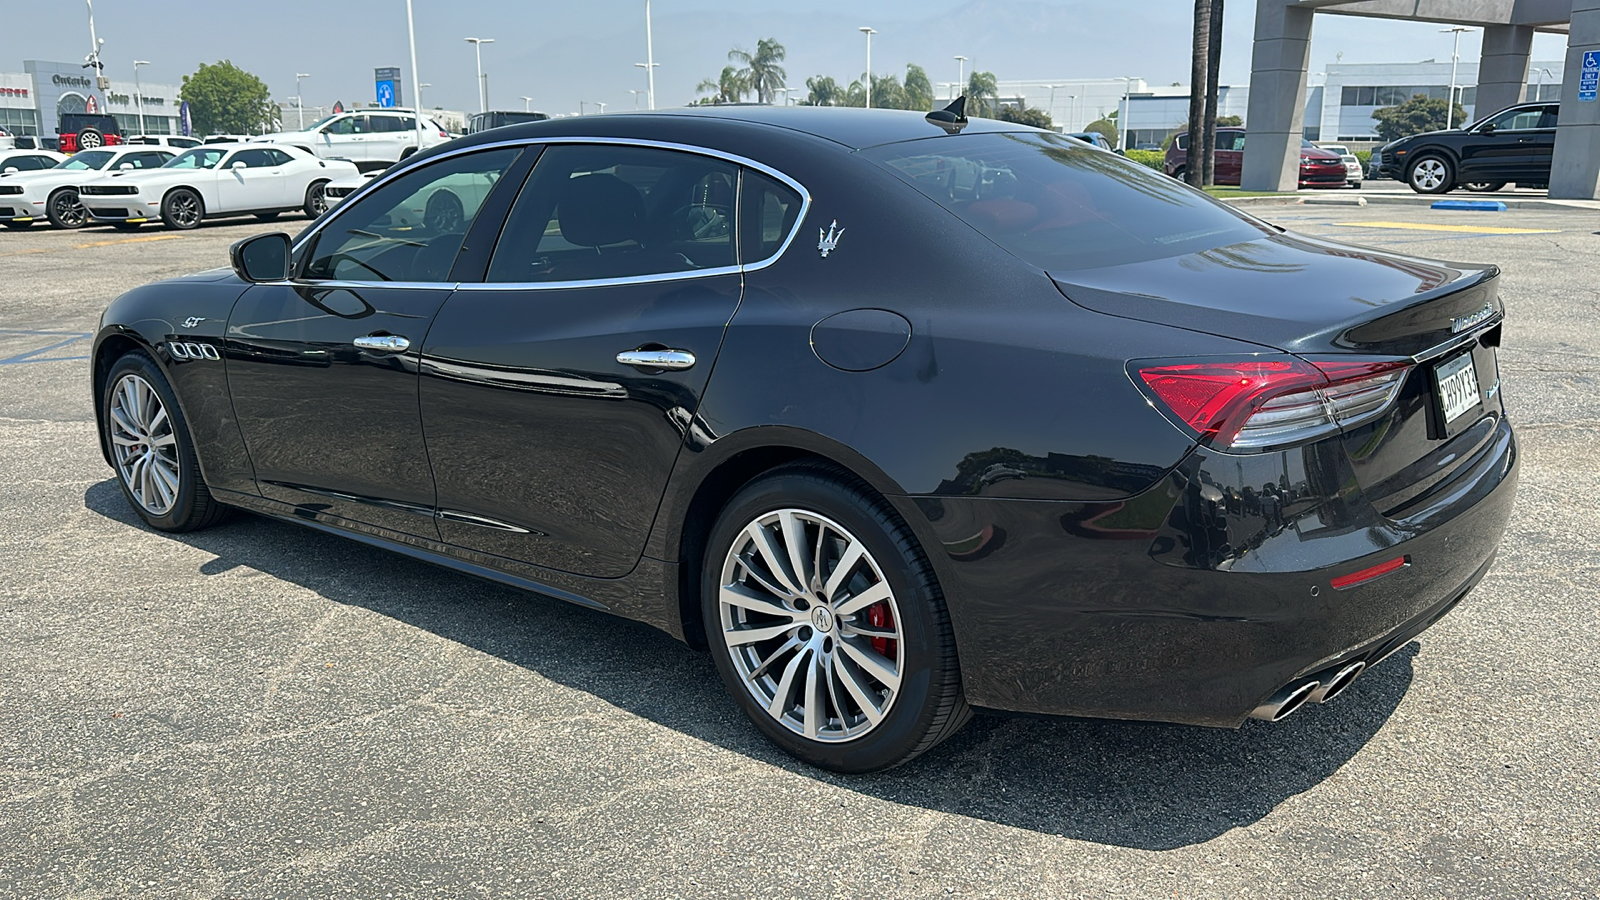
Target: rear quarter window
(1061, 206)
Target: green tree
(1229, 121)
(761, 72)
(1038, 118)
(919, 89)
(1106, 127)
(225, 99)
(823, 91)
(1414, 116)
(983, 94)
(729, 87)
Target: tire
(443, 214)
(91, 139)
(1431, 174)
(182, 209)
(316, 200)
(267, 216)
(65, 210)
(1484, 187)
(1356, 184)
(1181, 173)
(879, 700)
(151, 449)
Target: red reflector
(1365, 575)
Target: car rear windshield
(1060, 205)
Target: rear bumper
(1196, 600)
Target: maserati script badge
(826, 242)
(1462, 324)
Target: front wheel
(65, 210)
(827, 625)
(1484, 187)
(181, 210)
(141, 424)
(1431, 175)
(316, 199)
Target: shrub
(1365, 158)
(1155, 159)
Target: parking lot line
(1460, 229)
(92, 244)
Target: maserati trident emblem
(827, 241)
(1462, 324)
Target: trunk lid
(1318, 299)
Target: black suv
(1514, 144)
(500, 118)
(87, 131)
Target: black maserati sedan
(1515, 144)
(898, 416)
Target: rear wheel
(1484, 187)
(443, 214)
(181, 209)
(151, 449)
(65, 210)
(1431, 175)
(827, 624)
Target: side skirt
(647, 594)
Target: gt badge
(826, 242)
(192, 321)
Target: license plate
(1457, 383)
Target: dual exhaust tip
(1319, 688)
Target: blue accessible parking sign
(1589, 77)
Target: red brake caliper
(878, 616)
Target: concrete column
(1575, 171)
(1503, 69)
(1276, 119)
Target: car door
(1230, 157)
(1502, 148)
(248, 179)
(294, 175)
(1542, 147)
(557, 392)
(345, 139)
(323, 368)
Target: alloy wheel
(316, 200)
(1429, 174)
(811, 625)
(68, 209)
(143, 444)
(184, 209)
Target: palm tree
(761, 72)
(824, 91)
(919, 90)
(983, 94)
(729, 87)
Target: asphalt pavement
(258, 710)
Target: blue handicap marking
(1589, 77)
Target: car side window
(768, 214)
(340, 126)
(595, 211)
(279, 158)
(254, 159)
(1548, 120)
(1517, 119)
(384, 123)
(411, 228)
(147, 160)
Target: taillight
(1258, 403)
(444, 134)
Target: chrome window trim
(376, 184)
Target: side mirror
(237, 164)
(262, 258)
(9, 170)
(1488, 128)
(127, 166)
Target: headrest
(597, 210)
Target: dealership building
(32, 101)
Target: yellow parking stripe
(92, 244)
(1459, 229)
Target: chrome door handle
(386, 343)
(656, 359)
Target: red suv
(1318, 168)
(87, 131)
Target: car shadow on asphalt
(1140, 785)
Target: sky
(558, 54)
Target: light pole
(961, 75)
(525, 102)
(869, 33)
(483, 87)
(92, 61)
(1072, 115)
(635, 97)
(601, 105)
(649, 56)
(425, 84)
(1127, 106)
(138, 92)
(416, 80)
(1455, 59)
(650, 82)
(1052, 88)
(300, 104)
(1538, 86)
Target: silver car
(1352, 165)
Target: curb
(1400, 200)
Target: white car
(370, 138)
(211, 181)
(1352, 165)
(13, 161)
(27, 197)
(163, 140)
(441, 206)
(340, 188)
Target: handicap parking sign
(1589, 77)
